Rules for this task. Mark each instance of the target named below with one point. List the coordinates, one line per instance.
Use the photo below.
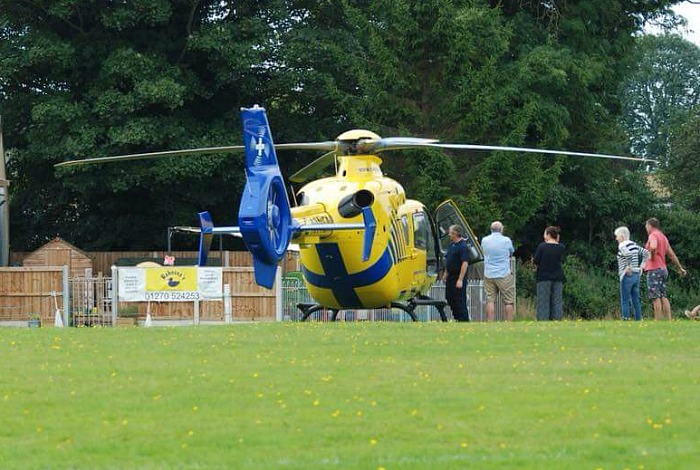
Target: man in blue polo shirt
(456, 263)
(497, 274)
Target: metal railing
(91, 301)
(294, 292)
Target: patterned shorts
(656, 283)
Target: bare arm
(645, 257)
(674, 258)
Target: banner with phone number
(170, 284)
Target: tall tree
(681, 174)
(88, 79)
(659, 92)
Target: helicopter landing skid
(308, 309)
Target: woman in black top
(550, 276)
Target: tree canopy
(660, 91)
(82, 78)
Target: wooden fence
(89, 300)
(25, 291)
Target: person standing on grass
(657, 272)
(498, 278)
(630, 264)
(456, 263)
(550, 276)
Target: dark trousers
(549, 300)
(456, 298)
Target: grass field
(581, 395)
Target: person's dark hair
(653, 222)
(553, 232)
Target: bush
(129, 311)
(590, 293)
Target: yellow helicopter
(363, 243)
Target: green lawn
(574, 395)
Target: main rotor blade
(320, 146)
(394, 143)
(313, 168)
(142, 156)
(531, 150)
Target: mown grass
(607, 395)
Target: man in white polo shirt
(497, 274)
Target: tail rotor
(264, 217)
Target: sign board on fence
(170, 284)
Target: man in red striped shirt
(656, 269)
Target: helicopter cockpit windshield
(448, 214)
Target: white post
(481, 301)
(115, 295)
(228, 318)
(66, 296)
(278, 294)
(149, 320)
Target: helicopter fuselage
(403, 259)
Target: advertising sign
(170, 284)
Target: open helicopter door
(448, 214)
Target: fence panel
(30, 290)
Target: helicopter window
(432, 256)
(420, 230)
(303, 199)
(404, 225)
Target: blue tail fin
(264, 273)
(264, 217)
(205, 237)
